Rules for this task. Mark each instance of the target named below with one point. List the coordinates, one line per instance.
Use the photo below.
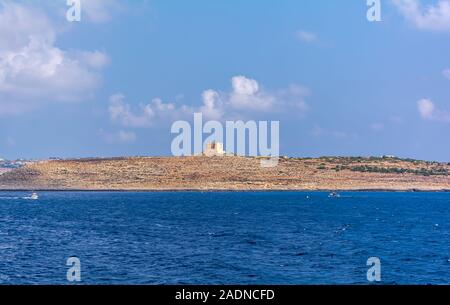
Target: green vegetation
(322, 166)
(397, 170)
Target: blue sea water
(224, 238)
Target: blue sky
(114, 83)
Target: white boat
(334, 195)
(34, 196)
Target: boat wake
(28, 198)
(33, 196)
(16, 198)
(11, 198)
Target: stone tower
(214, 149)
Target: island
(229, 173)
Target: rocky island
(229, 173)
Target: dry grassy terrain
(229, 173)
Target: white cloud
(431, 17)
(428, 111)
(33, 70)
(145, 115)
(212, 105)
(426, 108)
(246, 97)
(244, 86)
(121, 112)
(19, 23)
(306, 36)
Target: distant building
(214, 149)
(389, 157)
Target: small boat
(334, 195)
(34, 196)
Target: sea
(224, 238)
